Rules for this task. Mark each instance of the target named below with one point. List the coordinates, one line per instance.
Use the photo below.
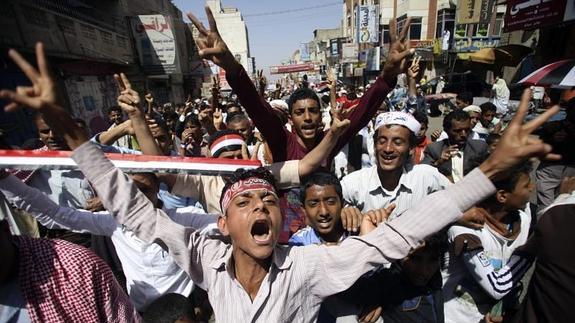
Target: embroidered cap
(398, 118)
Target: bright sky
(274, 37)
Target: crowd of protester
(357, 215)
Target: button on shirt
(299, 278)
(362, 189)
(457, 166)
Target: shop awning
(508, 55)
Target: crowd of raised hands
(218, 127)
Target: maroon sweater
(283, 144)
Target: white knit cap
(472, 108)
(398, 118)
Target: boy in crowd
(415, 281)
(481, 269)
(488, 123)
(253, 278)
(321, 197)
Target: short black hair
(302, 94)
(114, 108)
(457, 115)
(241, 174)
(510, 181)
(421, 117)
(170, 115)
(168, 309)
(236, 117)
(233, 105)
(193, 119)
(488, 107)
(321, 177)
(465, 97)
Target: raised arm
(312, 160)
(129, 101)
(212, 47)
(328, 268)
(50, 214)
(118, 193)
(373, 98)
(108, 137)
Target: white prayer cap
(472, 108)
(398, 118)
(279, 104)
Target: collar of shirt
(375, 187)
(281, 260)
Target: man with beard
(253, 278)
(458, 154)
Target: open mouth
(388, 158)
(261, 231)
(308, 129)
(324, 223)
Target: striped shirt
(299, 278)
(362, 189)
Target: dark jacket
(401, 300)
(474, 153)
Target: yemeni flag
(560, 74)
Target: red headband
(244, 185)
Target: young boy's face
(517, 200)
(420, 265)
(323, 209)
(493, 145)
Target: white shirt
(150, 271)
(465, 301)
(123, 141)
(481, 130)
(64, 187)
(457, 166)
(363, 190)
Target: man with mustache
(253, 278)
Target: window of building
(445, 21)
(122, 42)
(67, 26)
(107, 37)
(384, 32)
(460, 31)
(497, 28)
(481, 30)
(415, 28)
(88, 32)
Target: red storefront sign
(532, 14)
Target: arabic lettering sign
(468, 11)
(368, 24)
(334, 47)
(349, 53)
(532, 14)
(372, 59)
(485, 11)
(156, 44)
(473, 44)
